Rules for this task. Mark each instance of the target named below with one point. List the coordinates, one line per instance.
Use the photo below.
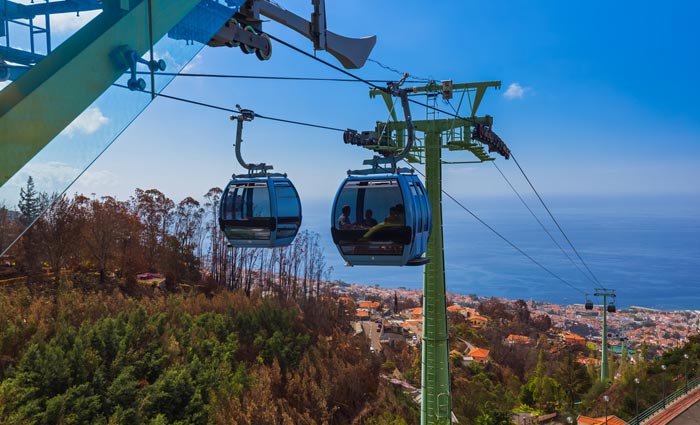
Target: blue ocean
(646, 248)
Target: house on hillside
(573, 339)
(478, 355)
(469, 312)
(414, 327)
(586, 361)
(346, 300)
(369, 305)
(415, 313)
(478, 321)
(454, 309)
(517, 339)
(362, 315)
(391, 333)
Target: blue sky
(605, 99)
(598, 100)
(606, 102)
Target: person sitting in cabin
(344, 219)
(394, 219)
(369, 221)
(395, 216)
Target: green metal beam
(49, 96)
(436, 402)
(605, 293)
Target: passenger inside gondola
(344, 219)
(357, 228)
(394, 219)
(369, 221)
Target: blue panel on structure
(189, 28)
(69, 153)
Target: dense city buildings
(628, 329)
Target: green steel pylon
(453, 134)
(605, 293)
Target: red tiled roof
(612, 420)
(478, 353)
(369, 304)
(522, 339)
(573, 337)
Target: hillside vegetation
(246, 336)
(99, 356)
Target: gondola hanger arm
(253, 169)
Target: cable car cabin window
(370, 218)
(247, 200)
(288, 210)
(246, 213)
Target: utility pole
(453, 134)
(605, 293)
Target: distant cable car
(258, 209)
(382, 216)
(589, 304)
(611, 307)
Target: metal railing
(661, 405)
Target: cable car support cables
(270, 77)
(234, 111)
(555, 221)
(506, 240)
(541, 224)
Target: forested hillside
(254, 336)
(99, 356)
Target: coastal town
(628, 329)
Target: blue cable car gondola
(258, 209)
(382, 216)
(400, 238)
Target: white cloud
(99, 180)
(70, 22)
(87, 123)
(193, 64)
(515, 91)
(49, 177)
(54, 177)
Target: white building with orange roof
(416, 313)
(517, 339)
(478, 321)
(362, 315)
(369, 305)
(573, 339)
(454, 309)
(479, 355)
